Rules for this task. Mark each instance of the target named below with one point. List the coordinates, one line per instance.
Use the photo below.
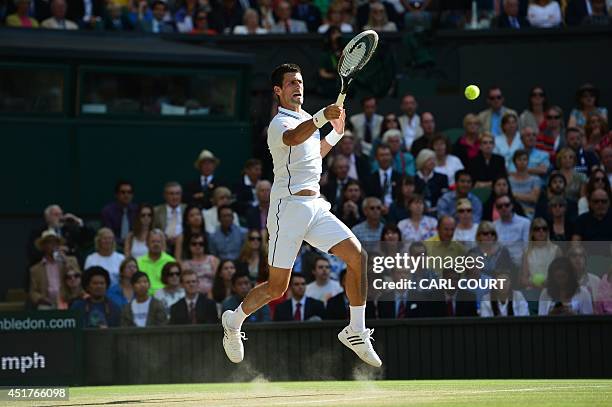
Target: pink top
(53, 280)
(603, 296)
(25, 21)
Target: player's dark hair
(137, 276)
(240, 274)
(279, 73)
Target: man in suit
(245, 189)
(47, 275)
(169, 216)
(359, 166)
(337, 179)
(459, 302)
(58, 19)
(305, 11)
(299, 307)
(83, 15)
(428, 125)
(490, 118)
(576, 11)
(199, 192)
(119, 215)
(157, 24)
(510, 17)
(385, 183)
(337, 307)
(366, 125)
(194, 308)
(284, 23)
(257, 215)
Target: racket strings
(357, 56)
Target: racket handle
(340, 100)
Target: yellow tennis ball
(472, 92)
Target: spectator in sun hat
(199, 191)
(47, 275)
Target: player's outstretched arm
(304, 130)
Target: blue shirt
(447, 205)
(496, 123)
(115, 293)
(97, 314)
(227, 245)
(402, 163)
(364, 234)
(536, 158)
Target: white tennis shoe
(360, 343)
(232, 339)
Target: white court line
(445, 393)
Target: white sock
(357, 323)
(237, 318)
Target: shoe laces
(367, 337)
(236, 333)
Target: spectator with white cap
(199, 192)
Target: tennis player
(297, 213)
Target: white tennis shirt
(295, 167)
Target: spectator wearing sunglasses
(370, 229)
(598, 179)
(490, 118)
(466, 227)
(253, 257)
(202, 263)
(535, 114)
(70, 289)
(596, 224)
(135, 244)
(119, 215)
(540, 253)
(510, 227)
(552, 137)
(172, 291)
(587, 104)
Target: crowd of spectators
(538, 178)
(252, 17)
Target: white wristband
(319, 118)
(333, 138)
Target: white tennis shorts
(294, 219)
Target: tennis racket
(355, 56)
